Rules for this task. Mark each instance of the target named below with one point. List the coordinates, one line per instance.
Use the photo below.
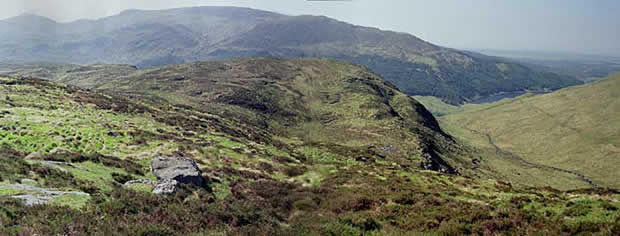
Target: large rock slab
(182, 169)
(32, 200)
(39, 196)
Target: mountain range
(155, 38)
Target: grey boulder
(183, 170)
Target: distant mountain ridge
(154, 38)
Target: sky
(575, 26)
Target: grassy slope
(276, 184)
(574, 129)
(53, 120)
(311, 100)
(501, 165)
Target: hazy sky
(584, 26)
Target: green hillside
(287, 147)
(574, 130)
(310, 100)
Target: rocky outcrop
(38, 195)
(171, 172)
(432, 161)
(182, 169)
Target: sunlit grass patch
(142, 187)
(75, 201)
(223, 141)
(8, 191)
(96, 173)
